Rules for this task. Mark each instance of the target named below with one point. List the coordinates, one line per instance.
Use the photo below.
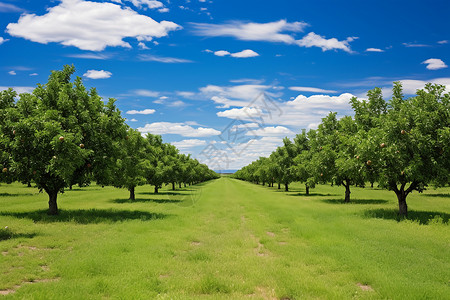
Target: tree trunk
(185, 184)
(132, 196)
(70, 187)
(371, 184)
(286, 187)
(173, 186)
(279, 185)
(52, 205)
(347, 193)
(29, 184)
(156, 189)
(307, 189)
(402, 206)
(179, 185)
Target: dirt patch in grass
(364, 287)
(16, 287)
(270, 233)
(263, 293)
(195, 243)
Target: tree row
(62, 135)
(401, 144)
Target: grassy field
(224, 239)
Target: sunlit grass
(224, 239)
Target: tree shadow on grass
(86, 216)
(160, 193)
(422, 217)
(15, 195)
(436, 195)
(355, 201)
(313, 194)
(145, 200)
(12, 235)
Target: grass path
(224, 239)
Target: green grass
(225, 239)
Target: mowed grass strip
(225, 239)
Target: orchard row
(402, 145)
(62, 135)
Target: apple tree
(408, 150)
(63, 134)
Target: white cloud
(18, 89)
(34, 74)
(177, 103)
(189, 143)
(435, 64)
(443, 42)
(250, 151)
(162, 59)
(6, 7)
(177, 128)
(142, 46)
(374, 50)
(299, 112)
(239, 95)
(245, 53)
(271, 32)
(133, 120)
(221, 53)
(101, 56)
(410, 87)
(163, 10)
(185, 94)
(311, 89)
(242, 54)
(147, 111)
(98, 25)
(95, 74)
(415, 45)
(271, 131)
(2, 40)
(12, 73)
(244, 113)
(315, 40)
(152, 4)
(146, 93)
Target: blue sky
(227, 80)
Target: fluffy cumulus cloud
(410, 87)
(242, 54)
(177, 128)
(186, 144)
(98, 25)
(435, 64)
(280, 32)
(239, 155)
(272, 131)
(147, 111)
(97, 74)
(315, 40)
(238, 95)
(18, 89)
(299, 113)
